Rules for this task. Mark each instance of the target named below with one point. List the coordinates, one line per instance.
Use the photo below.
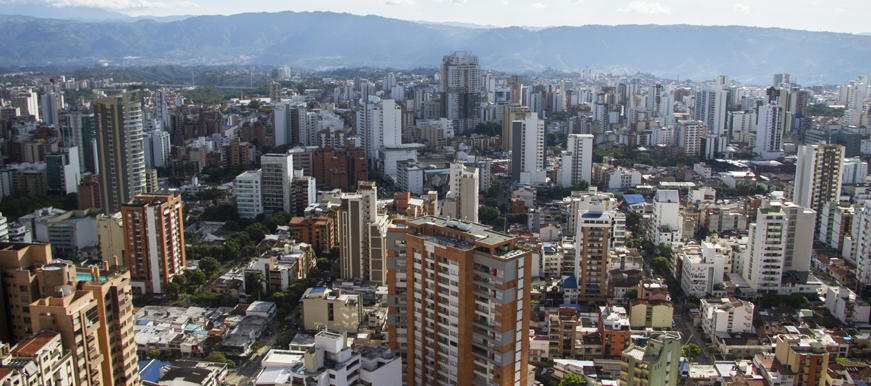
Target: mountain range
(325, 40)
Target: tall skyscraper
(462, 200)
(361, 235)
(511, 113)
(781, 240)
(461, 90)
(276, 172)
(249, 200)
(818, 176)
(82, 128)
(710, 108)
(527, 150)
(120, 151)
(592, 249)
(379, 124)
(769, 131)
(154, 251)
(577, 161)
(51, 102)
(473, 326)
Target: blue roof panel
(632, 199)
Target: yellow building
(332, 309)
(805, 356)
(650, 313)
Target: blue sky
(815, 15)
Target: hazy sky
(814, 15)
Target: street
(690, 334)
(245, 374)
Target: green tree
(487, 215)
(796, 301)
(632, 293)
(573, 380)
(209, 265)
(285, 338)
(771, 300)
(660, 265)
(691, 351)
(582, 186)
(173, 290)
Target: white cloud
(538, 5)
(107, 4)
(644, 7)
(745, 9)
(399, 2)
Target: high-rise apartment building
(249, 202)
(666, 223)
(361, 235)
(460, 85)
(120, 150)
(27, 102)
(527, 150)
(303, 193)
(90, 310)
(654, 362)
(37, 360)
(462, 200)
(592, 249)
(818, 176)
(780, 241)
(769, 132)
(18, 264)
(50, 103)
(710, 108)
(511, 113)
(276, 172)
(80, 127)
(577, 161)
(468, 304)
(154, 247)
(379, 125)
(690, 136)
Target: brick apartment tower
(468, 304)
(154, 233)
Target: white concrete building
(666, 221)
(409, 177)
(249, 202)
(769, 134)
(527, 152)
(764, 262)
(462, 200)
(845, 305)
(700, 273)
(577, 160)
(710, 108)
(276, 173)
(855, 171)
(818, 174)
(725, 315)
(379, 124)
(330, 362)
